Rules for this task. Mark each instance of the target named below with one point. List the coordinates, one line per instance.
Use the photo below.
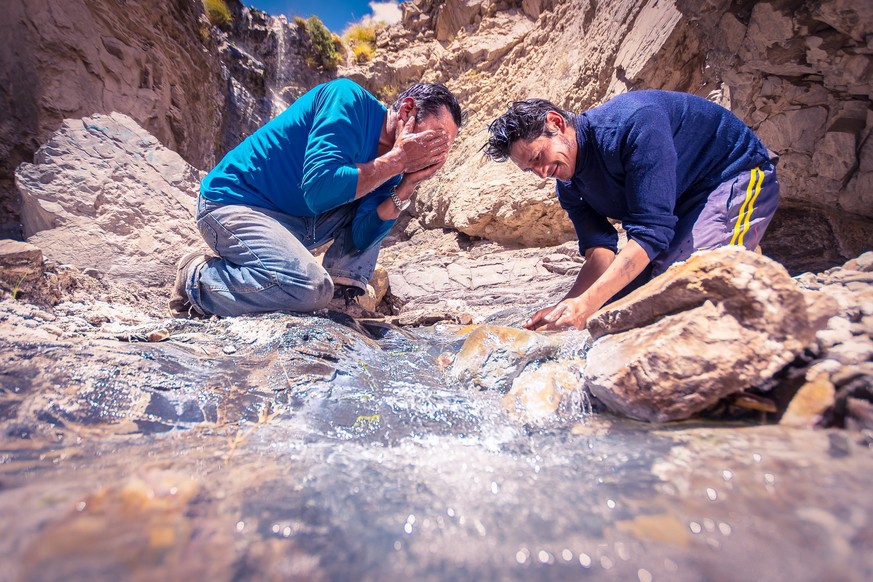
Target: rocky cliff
(799, 73)
(196, 88)
(153, 61)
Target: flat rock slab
(104, 194)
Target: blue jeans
(264, 261)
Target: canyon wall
(798, 72)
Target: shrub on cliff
(326, 46)
(217, 13)
(362, 39)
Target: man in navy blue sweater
(681, 174)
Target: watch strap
(400, 204)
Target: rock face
(798, 75)
(721, 322)
(197, 89)
(264, 61)
(104, 194)
(71, 59)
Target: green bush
(217, 13)
(324, 47)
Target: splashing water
(313, 452)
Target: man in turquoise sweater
(338, 166)
(681, 174)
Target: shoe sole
(179, 305)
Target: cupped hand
(424, 173)
(420, 150)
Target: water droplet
(450, 512)
(522, 555)
(695, 527)
(724, 528)
(287, 531)
(80, 506)
(407, 528)
(727, 475)
(621, 550)
(756, 457)
(240, 525)
(606, 562)
(708, 524)
(411, 519)
(769, 478)
(644, 575)
(276, 528)
(494, 487)
(610, 503)
(567, 555)
(585, 560)
(174, 490)
(397, 545)
(711, 493)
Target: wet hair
(525, 120)
(429, 98)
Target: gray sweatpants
(737, 212)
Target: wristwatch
(400, 204)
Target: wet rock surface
(317, 447)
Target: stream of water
(287, 461)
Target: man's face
(548, 156)
(441, 122)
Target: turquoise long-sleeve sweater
(303, 162)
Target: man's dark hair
(429, 98)
(524, 120)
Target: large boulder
(723, 321)
(105, 194)
(153, 61)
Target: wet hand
(424, 173)
(420, 150)
(537, 319)
(569, 313)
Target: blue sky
(336, 14)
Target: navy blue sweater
(647, 158)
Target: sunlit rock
(721, 322)
(493, 356)
(546, 391)
(814, 398)
(104, 194)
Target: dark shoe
(180, 305)
(345, 300)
